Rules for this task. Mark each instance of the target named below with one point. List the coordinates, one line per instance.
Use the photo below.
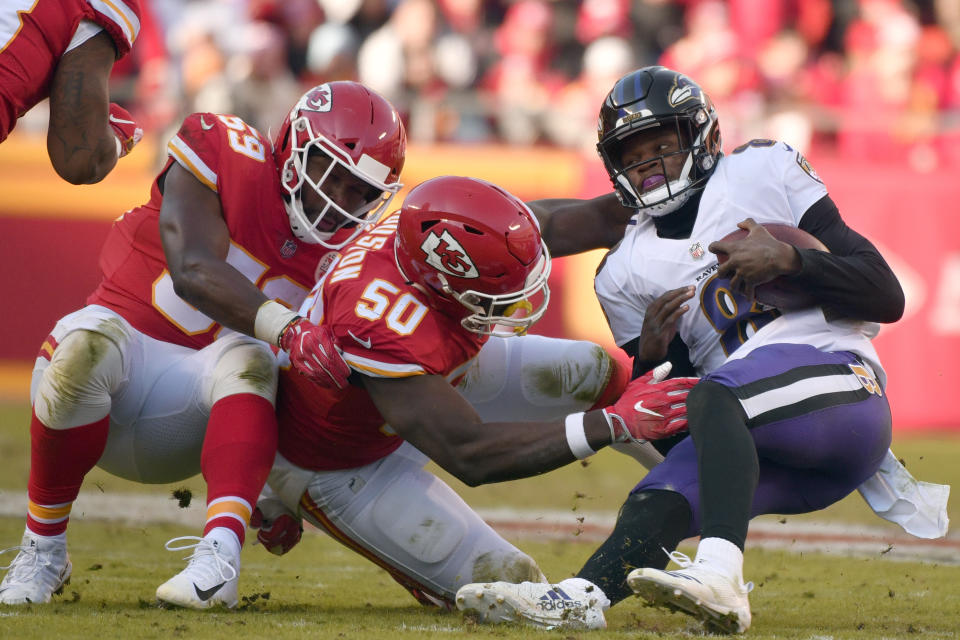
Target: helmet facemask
(692, 132)
(321, 227)
(505, 314)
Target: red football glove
(313, 353)
(278, 534)
(650, 408)
(127, 131)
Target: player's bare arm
(755, 259)
(571, 225)
(196, 241)
(427, 412)
(81, 144)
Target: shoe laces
(25, 562)
(202, 550)
(685, 562)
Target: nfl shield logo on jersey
(696, 250)
(288, 248)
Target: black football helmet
(659, 97)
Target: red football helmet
(358, 130)
(471, 245)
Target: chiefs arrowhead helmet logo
(320, 99)
(448, 256)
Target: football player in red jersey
(197, 284)
(65, 50)
(411, 303)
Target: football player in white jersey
(790, 415)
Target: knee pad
(424, 528)
(539, 378)
(75, 388)
(245, 367)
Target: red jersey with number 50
(235, 161)
(34, 34)
(386, 329)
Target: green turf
(322, 590)
(599, 484)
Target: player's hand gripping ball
(753, 269)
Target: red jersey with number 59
(232, 159)
(34, 34)
(386, 329)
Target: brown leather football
(782, 292)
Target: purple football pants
(820, 422)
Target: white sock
(228, 540)
(722, 556)
(60, 537)
(585, 585)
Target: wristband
(272, 318)
(577, 436)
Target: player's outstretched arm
(427, 412)
(82, 143)
(196, 241)
(571, 225)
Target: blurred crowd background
(876, 79)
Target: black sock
(648, 523)
(727, 462)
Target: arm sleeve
(853, 280)
(119, 18)
(196, 147)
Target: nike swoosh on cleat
(642, 409)
(206, 594)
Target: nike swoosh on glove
(650, 408)
(314, 354)
(278, 534)
(127, 131)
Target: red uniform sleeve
(119, 18)
(216, 147)
(197, 147)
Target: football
(781, 292)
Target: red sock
(238, 452)
(59, 460)
(616, 383)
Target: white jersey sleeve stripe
(121, 14)
(382, 369)
(185, 156)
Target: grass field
(322, 590)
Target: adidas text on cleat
(542, 605)
(210, 579)
(718, 601)
(40, 569)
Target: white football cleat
(718, 601)
(572, 604)
(210, 579)
(39, 571)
